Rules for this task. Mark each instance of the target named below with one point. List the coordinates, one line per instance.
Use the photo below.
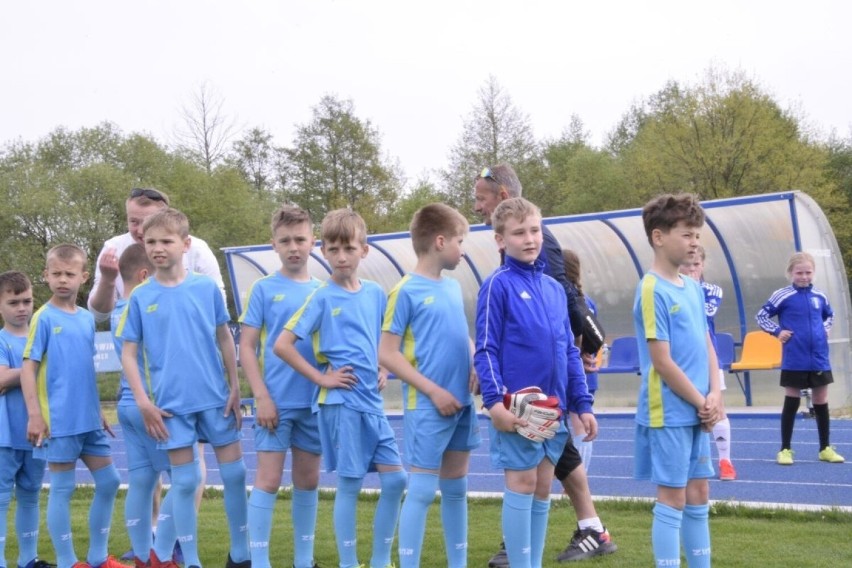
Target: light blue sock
(185, 480)
(236, 507)
(585, 449)
(695, 530)
(5, 500)
(26, 524)
(260, 507)
(100, 513)
(59, 517)
(517, 524)
(164, 544)
(387, 514)
(137, 510)
(345, 510)
(304, 516)
(454, 519)
(665, 535)
(538, 529)
(412, 519)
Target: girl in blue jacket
(804, 320)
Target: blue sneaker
(36, 563)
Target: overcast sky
(412, 68)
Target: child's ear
(85, 276)
(142, 274)
(440, 241)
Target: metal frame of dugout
(748, 241)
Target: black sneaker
(231, 564)
(501, 559)
(587, 543)
(38, 564)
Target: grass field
(742, 537)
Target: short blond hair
(344, 226)
(287, 215)
(800, 258)
(516, 208)
(170, 219)
(432, 220)
(67, 252)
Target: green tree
(495, 131)
(258, 160)
(336, 161)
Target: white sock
(722, 436)
(591, 523)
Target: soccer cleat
(177, 554)
(129, 555)
(315, 565)
(829, 455)
(231, 564)
(111, 562)
(501, 559)
(36, 563)
(157, 563)
(727, 471)
(81, 565)
(138, 563)
(587, 543)
(785, 457)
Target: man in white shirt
(107, 287)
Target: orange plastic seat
(761, 351)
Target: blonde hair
(169, 219)
(800, 258)
(516, 208)
(432, 220)
(343, 226)
(67, 252)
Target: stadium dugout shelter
(748, 241)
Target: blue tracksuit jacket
(523, 338)
(807, 313)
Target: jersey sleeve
(398, 311)
(38, 338)
(253, 313)
(130, 325)
(489, 338)
(653, 307)
(764, 317)
(306, 320)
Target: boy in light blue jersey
(283, 399)
(179, 320)
(425, 343)
(343, 317)
(18, 469)
(678, 400)
(65, 421)
(145, 463)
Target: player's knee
(144, 478)
(107, 479)
(233, 473)
(185, 478)
(26, 497)
(393, 481)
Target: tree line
(725, 136)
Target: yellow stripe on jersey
(261, 358)
(123, 318)
(41, 384)
(390, 310)
(647, 301)
(655, 399)
(408, 353)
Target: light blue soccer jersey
(13, 409)
(125, 395)
(345, 327)
(176, 329)
(64, 345)
(271, 303)
(429, 317)
(664, 311)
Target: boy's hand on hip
(267, 414)
(233, 406)
(445, 403)
(153, 418)
(342, 378)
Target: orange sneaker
(727, 471)
(81, 565)
(155, 562)
(111, 562)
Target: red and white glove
(541, 412)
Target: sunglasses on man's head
(486, 174)
(145, 192)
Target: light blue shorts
(141, 448)
(512, 451)
(19, 467)
(354, 442)
(297, 427)
(68, 449)
(671, 456)
(206, 425)
(427, 435)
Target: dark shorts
(568, 461)
(806, 379)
